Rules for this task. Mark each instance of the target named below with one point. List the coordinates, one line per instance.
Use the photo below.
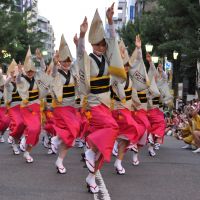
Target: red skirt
(4, 119)
(67, 124)
(84, 124)
(128, 127)
(16, 126)
(32, 120)
(103, 131)
(156, 118)
(49, 123)
(140, 116)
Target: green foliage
(17, 32)
(172, 25)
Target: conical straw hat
(28, 63)
(96, 33)
(64, 51)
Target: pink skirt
(67, 124)
(16, 126)
(156, 118)
(4, 119)
(128, 127)
(32, 120)
(49, 123)
(140, 116)
(103, 131)
(84, 124)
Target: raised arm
(162, 72)
(75, 39)
(138, 44)
(1, 76)
(109, 15)
(7, 81)
(39, 56)
(81, 41)
(149, 59)
(136, 56)
(152, 66)
(19, 74)
(55, 64)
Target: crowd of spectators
(184, 124)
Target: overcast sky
(66, 16)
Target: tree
(6, 34)
(18, 31)
(172, 25)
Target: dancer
(31, 86)
(155, 115)
(122, 96)
(103, 129)
(13, 101)
(67, 124)
(4, 118)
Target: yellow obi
(33, 95)
(2, 101)
(142, 96)
(155, 101)
(49, 98)
(100, 85)
(128, 93)
(68, 90)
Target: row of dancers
(106, 99)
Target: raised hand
(56, 58)
(83, 27)
(76, 40)
(122, 51)
(38, 54)
(110, 13)
(148, 57)
(138, 42)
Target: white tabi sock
(59, 161)
(150, 148)
(90, 154)
(91, 179)
(118, 163)
(135, 157)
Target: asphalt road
(174, 174)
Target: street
(174, 174)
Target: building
(19, 5)
(131, 9)
(121, 17)
(22, 5)
(125, 13)
(122, 14)
(44, 26)
(128, 10)
(26, 4)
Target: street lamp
(6, 54)
(175, 55)
(44, 53)
(155, 59)
(149, 47)
(175, 79)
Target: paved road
(174, 174)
